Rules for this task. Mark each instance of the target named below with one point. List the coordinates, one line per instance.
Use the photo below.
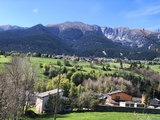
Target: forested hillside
(81, 39)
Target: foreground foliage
(16, 87)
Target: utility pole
(57, 96)
(153, 93)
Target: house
(59, 56)
(155, 102)
(120, 95)
(43, 97)
(122, 99)
(115, 97)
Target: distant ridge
(80, 39)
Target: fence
(126, 109)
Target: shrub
(67, 63)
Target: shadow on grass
(52, 116)
(33, 115)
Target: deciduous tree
(19, 75)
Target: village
(80, 60)
(119, 99)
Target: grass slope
(3, 61)
(100, 116)
(115, 67)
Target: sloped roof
(110, 100)
(156, 99)
(104, 96)
(51, 92)
(115, 92)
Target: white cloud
(151, 10)
(35, 10)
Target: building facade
(43, 97)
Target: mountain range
(80, 39)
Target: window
(131, 105)
(127, 104)
(117, 98)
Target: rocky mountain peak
(126, 36)
(9, 27)
(75, 25)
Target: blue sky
(110, 13)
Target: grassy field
(99, 116)
(115, 67)
(155, 68)
(4, 60)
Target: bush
(67, 63)
(59, 63)
(69, 74)
(77, 78)
(53, 73)
(31, 114)
(46, 69)
(41, 65)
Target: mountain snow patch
(149, 47)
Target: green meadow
(99, 116)
(4, 60)
(86, 67)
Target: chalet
(115, 97)
(43, 97)
(120, 95)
